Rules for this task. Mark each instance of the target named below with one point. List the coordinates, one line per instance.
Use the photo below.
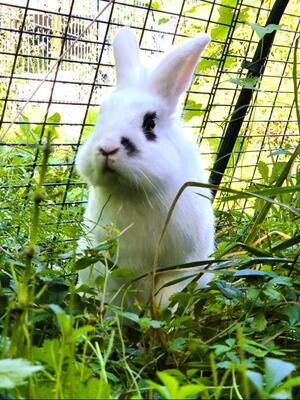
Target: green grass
(226, 341)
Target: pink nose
(108, 151)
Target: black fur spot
(129, 146)
(148, 126)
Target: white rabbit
(138, 157)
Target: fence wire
(33, 35)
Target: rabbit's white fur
(143, 183)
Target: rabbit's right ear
(126, 53)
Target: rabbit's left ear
(126, 52)
(174, 73)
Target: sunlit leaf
(262, 31)
(14, 372)
(276, 371)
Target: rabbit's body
(135, 161)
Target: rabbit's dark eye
(129, 146)
(148, 126)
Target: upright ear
(126, 53)
(173, 74)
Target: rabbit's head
(136, 142)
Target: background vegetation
(236, 339)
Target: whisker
(160, 195)
(144, 191)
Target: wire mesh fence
(34, 34)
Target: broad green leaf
(292, 311)
(263, 170)
(230, 342)
(277, 169)
(170, 383)
(192, 109)
(276, 371)
(146, 323)
(94, 389)
(63, 319)
(190, 391)
(177, 344)
(281, 395)
(247, 83)
(82, 331)
(49, 353)
(259, 322)
(256, 351)
(155, 4)
(262, 31)
(54, 118)
(251, 272)
(26, 130)
(14, 372)
(206, 64)
(122, 273)
(162, 390)
(162, 21)
(257, 379)
(125, 314)
(227, 291)
(220, 349)
(281, 281)
(86, 261)
(194, 9)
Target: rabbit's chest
(141, 232)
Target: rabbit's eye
(148, 126)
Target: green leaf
(14, 372)
(146, 323)
(194, 9)
(125, 314)
(256, 351)
(170, 383)
(86, 261)
(63, 320)
(276, 371)
(122, 273)
(54, 118)
(277, 170)
(227, 291)
(82, 331)
(162, 21)
(95, 388)
(177, 344)
(190, 391)
(257, 379)
(263, 170)
(156, 5)
(230, 342)
(251, 272)
(281, 281)
(247, 83)
(159, 388)
(192, 109)
(49, 353)
(206, 64)
(262, 31)
(259, 322)
(26, 129)
(292, 311)
(220, 349)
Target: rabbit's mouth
(107, 169)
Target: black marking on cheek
(129, 146)
(148, 126)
